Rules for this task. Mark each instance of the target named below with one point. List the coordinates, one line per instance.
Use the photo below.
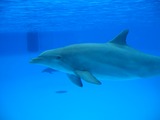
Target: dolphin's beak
(36, 60)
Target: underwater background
(29, 27)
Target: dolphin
(92, 62)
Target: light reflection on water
(74, 15)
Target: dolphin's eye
(58, 57)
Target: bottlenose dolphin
(92, 62)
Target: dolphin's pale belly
(115, 74)
(116, 78)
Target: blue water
(28, 94)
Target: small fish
(61, 91)
(49, 70)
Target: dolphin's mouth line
(36, 60)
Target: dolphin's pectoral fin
(75, 79)
(121, 38)
(87, 76)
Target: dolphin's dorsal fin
(121, 38)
